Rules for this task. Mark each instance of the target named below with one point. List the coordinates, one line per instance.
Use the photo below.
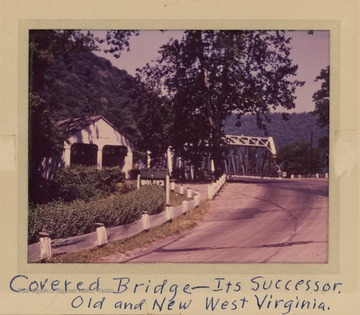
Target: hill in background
(297, 128)
(89, 85)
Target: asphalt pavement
(254, 221)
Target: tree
(299, 158)
(153, 125)
(45, 47)
(210, 74)
(321, 99)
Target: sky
(310, 52)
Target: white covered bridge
(91, 141)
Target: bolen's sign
(153, 176)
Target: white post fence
(214, 188)
(43, 249)
(316, 176)
(185, 205)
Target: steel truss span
(254, 156)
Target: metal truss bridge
(254, 156)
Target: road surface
(255, 221)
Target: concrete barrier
(178, 211)
(157, 219)
(191, 204)
(122, 231)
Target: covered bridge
(91, 140)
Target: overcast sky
(310, 52)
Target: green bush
(63, 220)
(124, 188)
(86, 182)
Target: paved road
(256, 221)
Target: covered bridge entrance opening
(252, 156)
(83, 154)
(114, 155)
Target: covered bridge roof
(71, 125)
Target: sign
(148, 182)
(153, 173)
(155, 176)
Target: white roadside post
(138, 181)
(169, 212)
(185, 205)
(146, 221)
(101, 234)
(210, 192)
(192, 170)
(45, 245)
(214, 188)
(197, 199)
(188, 193)
(167, 187)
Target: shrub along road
(254, 221)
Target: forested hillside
(89, 85)
(297, 128)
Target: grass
(176, 199)
(144, 239)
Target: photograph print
(193, 146)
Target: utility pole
(310, 152)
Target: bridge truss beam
(251, 156)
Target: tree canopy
(182, 100)
(300, 158)
(210, 74)
(45, 48)
(321, 99)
